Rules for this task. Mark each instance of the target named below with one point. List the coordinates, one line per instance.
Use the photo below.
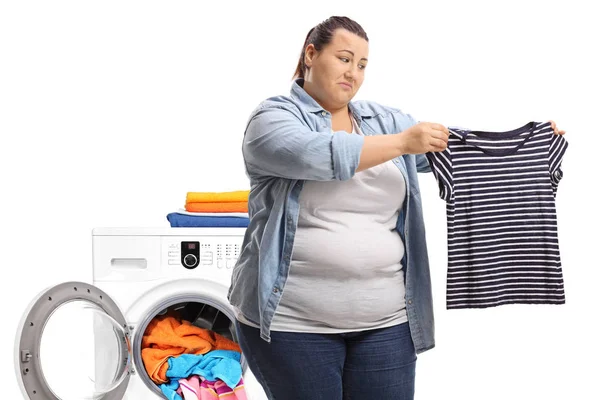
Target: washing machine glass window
(79, 352)
(73, 344)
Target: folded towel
(209, 214)
(217, 197)
(218, 364)
(234, 206)
(166, 337)
(181, 220)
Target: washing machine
(81, 341)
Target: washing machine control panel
(219, 252)
(190, 254)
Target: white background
(110, 112)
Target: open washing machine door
(73, 344)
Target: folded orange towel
(239, 206)
(166, 337)
(217, 197)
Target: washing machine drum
(201, 311)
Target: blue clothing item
(288, 140)
(372, 364)
(217, 364)
(184, 220)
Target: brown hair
(321, 35)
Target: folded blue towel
(183, 220)
(217, 364)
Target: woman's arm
(418, 139)
(277, 144)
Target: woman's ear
(309, 55)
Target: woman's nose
(351, 72)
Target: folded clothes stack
(212, 209)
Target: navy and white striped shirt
(500, 190)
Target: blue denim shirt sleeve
(277, 143)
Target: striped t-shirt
(500, 190)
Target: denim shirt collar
(299, 94)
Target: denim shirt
(287, 141)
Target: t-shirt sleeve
(556, 152)
(441, 166)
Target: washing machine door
(73, 344)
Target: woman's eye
(344, 59)
(362, 66)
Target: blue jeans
(376, 364)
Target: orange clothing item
(238, 206)
(217, 197)
(167, 337)
(155, 361)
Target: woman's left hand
(556, 131)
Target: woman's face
(336, 72)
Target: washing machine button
(190, 261)
(220, 263)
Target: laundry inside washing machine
(204, 316)
(191, 346)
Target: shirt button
(324, 113)
(275, 290)
(410, 302)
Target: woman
(332, 288)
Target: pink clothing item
(189, 389)
(198, 388)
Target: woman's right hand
(423, 138)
